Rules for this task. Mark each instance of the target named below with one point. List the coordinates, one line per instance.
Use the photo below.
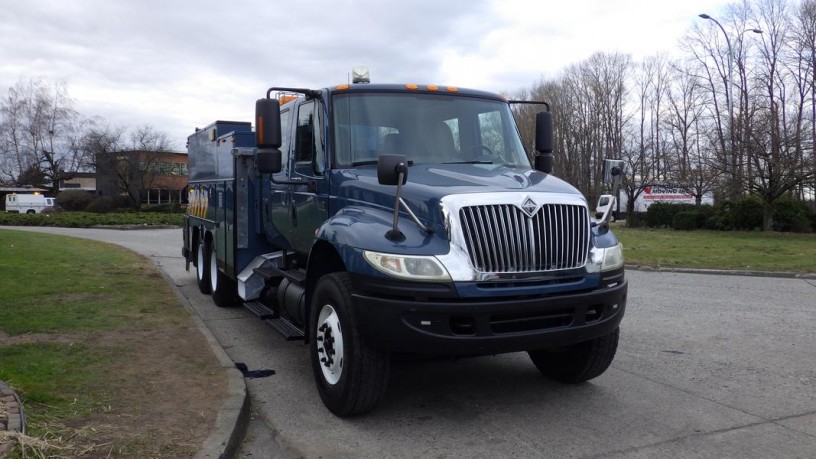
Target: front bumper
(473, 326)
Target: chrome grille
(502, 238)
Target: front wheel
(203, 268)
(351, 378)
(579, 362)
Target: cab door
(309, 207)
(277, 199)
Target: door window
(309, 145)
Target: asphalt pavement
(708, 366)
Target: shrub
(122, 201)
(661, 214)
(748, 214)
(705, 217)
(636, 219)
(74, 199)
(793, 216)
(685, 221)
(100, 205)
(169, 208)
(743, 214)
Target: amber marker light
(342, 87)
(452, 89)
(432, 87)
(411, 86)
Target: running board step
(289, 330)
(260, 310)
(298, 276)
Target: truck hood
(428, 183)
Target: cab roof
(414, 88)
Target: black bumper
(449, 326)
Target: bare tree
(36, 130)
(776, 140)
(805, 50)
(691, 164)
(17, 156)
(587, 101)
(708, 51)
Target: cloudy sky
(181, 64)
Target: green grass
(719, 249)
(72, 311)
(51, 286)
(54, 377)
(88, 219)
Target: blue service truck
(370, 220)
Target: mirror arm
(394, 234)
(616, 182)
(413, 216)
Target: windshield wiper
(370, 162)
(470, 162)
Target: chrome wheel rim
(200, 262)
(213, 271)
(329, 338)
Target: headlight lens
(612, 258)
(408, 267)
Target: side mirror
(267, 123)
(612, 168)
(544, 142)
(268, 161)
(389, 168)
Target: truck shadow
(466, 389)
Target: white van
(27, 203)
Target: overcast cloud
(181, 64)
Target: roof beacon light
(359, 74)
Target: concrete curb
(134, 227)
(723, 272)
(233, 417)
(12, 417)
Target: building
(145, 177)
(85, 181)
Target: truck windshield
(426, 128)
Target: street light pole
(729, 100)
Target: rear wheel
(222, 287)
(31, 211)
(351, 378)
(579, 362)
(203, 268)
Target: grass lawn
(103, 356)
(718, 249)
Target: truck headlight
(407, 266)
(612, 258)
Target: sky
(178, 65)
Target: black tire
(31, 211)
(203, 267)
(224, 290)
(356, 381)
(579, 362)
